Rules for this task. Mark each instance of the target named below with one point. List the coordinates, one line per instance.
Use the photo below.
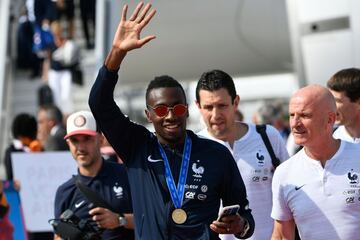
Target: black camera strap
(261, 129)
(92, 196)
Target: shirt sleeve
(235, 192)
(280, 208)
(58, 205)
(122, 134)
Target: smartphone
(228, 210)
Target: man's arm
(117, 128)
(130, 221)
(110, 220)
(234, 192)
(283, 230)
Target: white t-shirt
(255, 166)
(341, 133)
(324, 202)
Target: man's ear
(332, 118)
(237, 101)
(52, 123)
(198, 104)
(358, 101)
(101, 138)
(147, 113)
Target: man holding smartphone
(175, 177)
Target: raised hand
(127, 36)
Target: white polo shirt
(324, 202)
(254, 163)
(341, 133)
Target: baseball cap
(81, 122)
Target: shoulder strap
(261, 129)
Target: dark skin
(170, 129)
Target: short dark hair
(24, 125)
(214, 80)
(163, 81)
(53, 113)
(348, 81)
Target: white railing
(4, 73)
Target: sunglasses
(163, 110)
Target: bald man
(318, 188)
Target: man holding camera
(107, 179)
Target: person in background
(157, 162)
(6, 228)
(106, 178)
(51, 131)
(317, 188)
(88, 19)
(218, 104)
(65, 56)
(65, 13)
(24, 130)
(25, 56)
(42, 14)
(272, 113)
(345, 87)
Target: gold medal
(179, 216)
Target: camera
(71, 227)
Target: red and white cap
(80, 123)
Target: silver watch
(122, 221)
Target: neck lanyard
(177, 194)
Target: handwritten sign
(40, 174)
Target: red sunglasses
(163, 110)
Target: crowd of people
(172, 183)
(47, 45)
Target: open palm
(127, 36)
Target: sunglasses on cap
(163, 110)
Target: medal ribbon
(177, 194)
